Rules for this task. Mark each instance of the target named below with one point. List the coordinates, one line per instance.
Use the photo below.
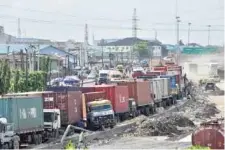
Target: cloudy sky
(65, 19)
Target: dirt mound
(164, 125)
(207, 111)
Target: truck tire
(147, 111)
(39, 138)
(16, 144)
(35, 139)
(5, 146)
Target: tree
(142, 48)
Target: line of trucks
(34, 117)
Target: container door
(61, 103)
(121, 99)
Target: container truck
(97, 112)
(140, 98)
(27, 116)
(173, 87)
(157, 87)
(118, 95)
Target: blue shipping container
(172, 80)
(25, 113)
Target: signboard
(156, 51)
(198, 50)
(159, 69)
(154, 62)
(174, 70)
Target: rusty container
(140, 91)
(87, 89)
(118, 95)
(69, 104)
(210, 134)
(91, 96)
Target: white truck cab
(52, 119)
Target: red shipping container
(210, 134)
(118, 95)
(140, 91)
(91, 96)
(87, 89)
(69, 103)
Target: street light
(189, 28)
(178, 43)
(209, 26)
(155, 34)
(102, 44)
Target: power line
(52, 22)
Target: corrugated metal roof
(16, 47)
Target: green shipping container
(25, 113)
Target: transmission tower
(19, 30)
(134, 24)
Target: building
(123, 48)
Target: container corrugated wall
(26, 113)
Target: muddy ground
(170, 131)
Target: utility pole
(38, 58)
(209, 26)
(102, 44)
(26, 69)
(134, 31)
(178, 39)
(189, 30)
(155, 34)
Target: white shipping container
(156, 86)
(165, 87)
(203, 69)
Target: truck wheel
(16, 144)
(35, 139)
(39, 138)
(147, 111)
(5, 146)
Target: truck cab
(103, 76)
(100, 114)
(115, 76)
(8, 138)
(52, 119)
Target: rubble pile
(200, 109)
(164, 125)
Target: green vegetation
(198, 147)
(16, 81)
(142, 48)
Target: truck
(97, 111)
(140, 97)
(156, 86)
(103, 76)
(26, 115)
(174, 89)
(118, 96)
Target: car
(91, 76)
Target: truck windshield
(100, 108)
(49, 117)
(103, 75)
(116, 76)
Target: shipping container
(118, 95)
(91, 96)
(156, 86)
(25, 113)
(140, 91)
(69, 103)
(62, 88)
(210, 134)
(166, 90)
(172, 79)
(87, 89)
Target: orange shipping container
(140, 91)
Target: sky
(61, 20)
